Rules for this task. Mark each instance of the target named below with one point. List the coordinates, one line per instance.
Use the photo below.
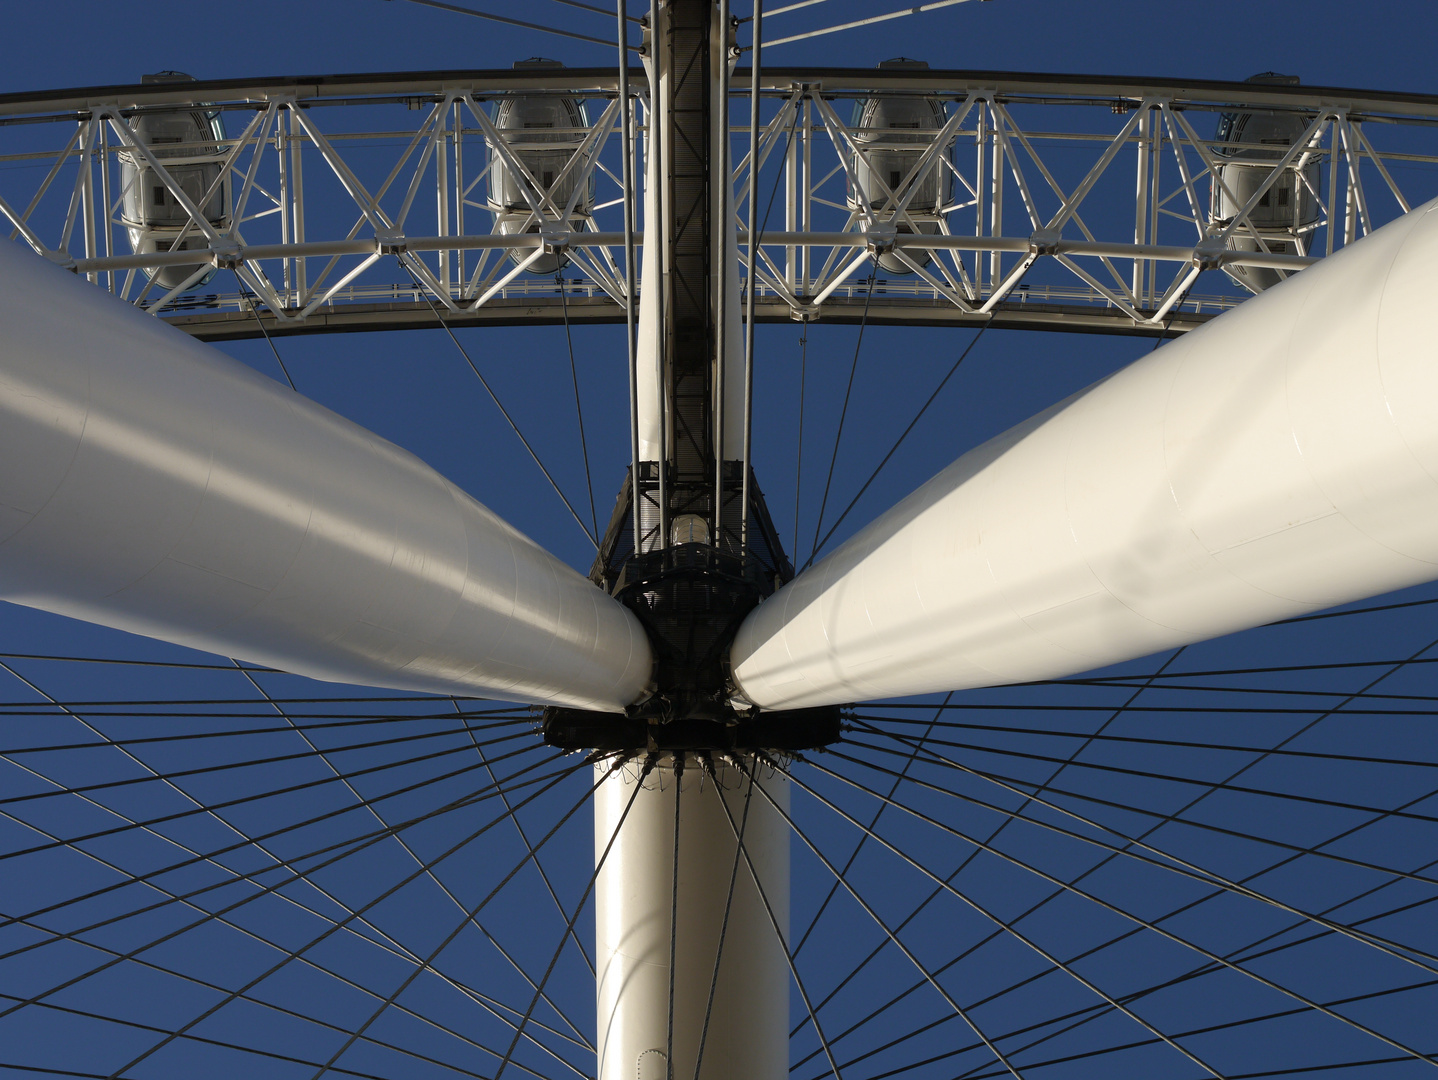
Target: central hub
(691, 599)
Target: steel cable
(843, 413)
(504, 412)
(578, 408)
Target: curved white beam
(1281, 459)
(150, 483)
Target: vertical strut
(631, 279)
(749, 277)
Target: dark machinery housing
(691, 599)
(784, 732)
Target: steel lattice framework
(1078, 203)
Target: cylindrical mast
(747, 1034)
(654, 1016)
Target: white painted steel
(150, 483)
(650, 380)
(1281, 459)
(749, 1023)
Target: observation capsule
(1286, 215)
(543, 130)
(893, 131)
(188, 143)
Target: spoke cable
(923, 971)
(578, 407)
(429, 873)
(243, 991)
(146, 878)
(1215, 785)
(524, 839)
(1245, 952)
(511, 22)
(900, 440)
(210, 811)
(1126, 681)
(728, 907)
(498, 405)
(778, 932)
(932, 6)
(588, 888)
(597, 10)
(1184, 868)
(202, 1040)
(1140, 923)
(478, 998)
(1172, 819)
(1094, 1012)
(388, 943)
(843, 414)
(355, 844)
(392, 948)
(192, 735)
(859, 847)
(470, 918)
(295, 953)
(249, 299)
(133, 663)
(240, 800)
(167, 778)
(1141, 740)
(1050, 958)
(1355, 611)
(964, 864)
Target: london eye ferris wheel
(522, 563)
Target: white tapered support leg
(1281, 459)
(748, 1030)
(150, 483)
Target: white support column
(748, 1033)
(725, 240)
(996, 201)
(651, 285)
(806, 213)
(733, 410)
(1140, 202)
(297, 206)
(441, 192)
(792, 181)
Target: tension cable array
(505, 412)
(517, 22)
(578, 408)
